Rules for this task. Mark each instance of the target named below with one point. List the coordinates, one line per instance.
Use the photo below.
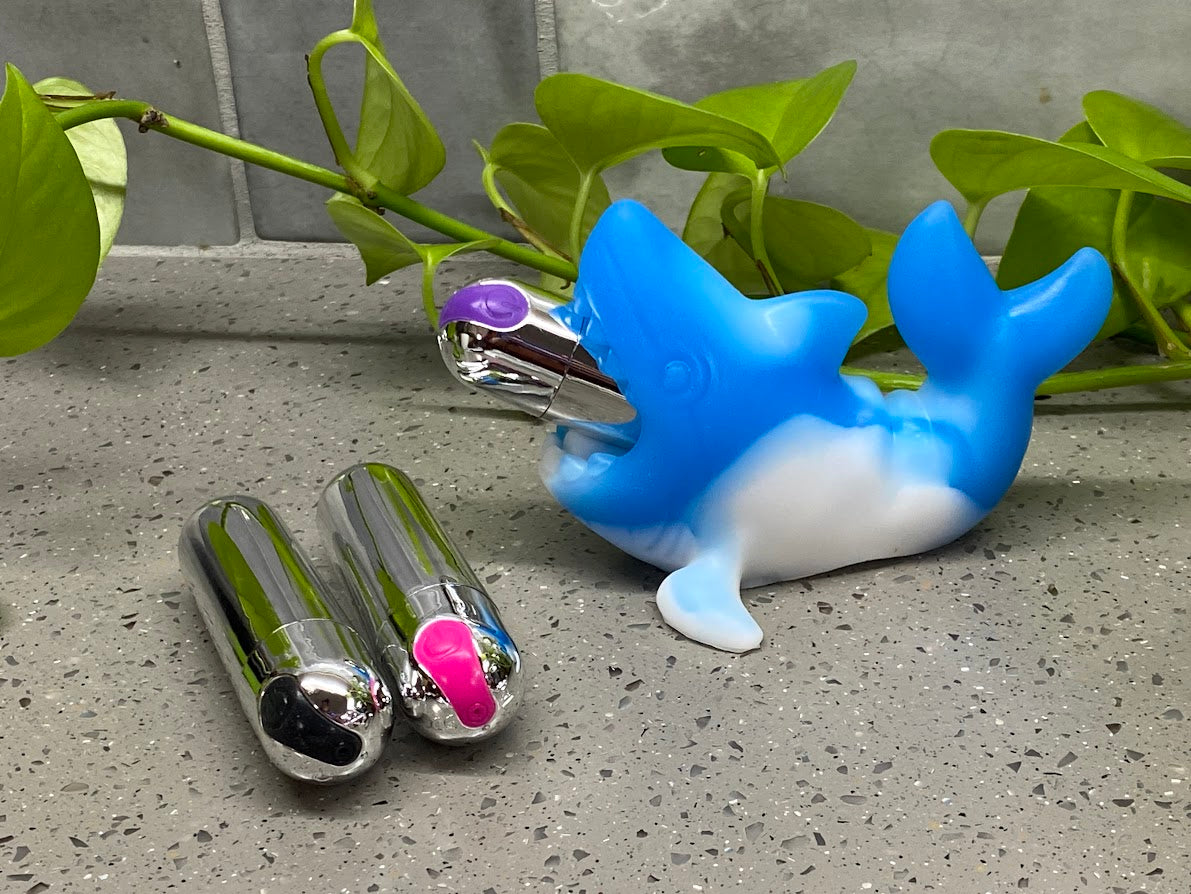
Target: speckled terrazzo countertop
(1011, 712)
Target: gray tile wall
(157, 52)
(471, 66)
(924, 65)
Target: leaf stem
(760, 186)
(1062, 383)
(575, 237)
(428, 305)
(972, 216)
(507, 212)
(322, 101)
(1182, 309)
(151, 119)
(1168, 340)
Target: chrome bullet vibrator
(454, 668)
(304, 677)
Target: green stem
(1168, 341)
(275, 161)
(428, 305)
(1117, 377)
(1182, 309)
(322, 101)
(575, 237)
(760, 186)
(972, 217)
(509, 214)
(887, 381)
(1062, 383)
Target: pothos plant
(63, 173)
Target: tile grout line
(228, 117)
(547, 37)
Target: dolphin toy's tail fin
(962, 327)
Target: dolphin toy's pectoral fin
(702, 600)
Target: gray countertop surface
(1010, 712)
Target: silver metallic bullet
(304, 677)
(454, 668)
(501, 336)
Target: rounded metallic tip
(327, 723)
(441, 701)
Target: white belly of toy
(811, 496)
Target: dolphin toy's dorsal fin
(818, 325)
(964, 328)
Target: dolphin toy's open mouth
(508, 339)
(572, 454)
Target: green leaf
(396, 142)
(867, 282)
(790, 113)
(982, 164)
(735, 265)
(601, 124)
(704, 232)
(364, 22)
(383, 248)
(1138, 129)
(100, 148)
(542, 182)
(1055, 222)
(807, 243)
(49, 232)
(1157, 258)
(561, 289)
(704, 222)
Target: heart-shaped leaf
(364, 22)
(704, 222)
(396, 142)
(983, 164)
(790, 113)
(382, 246)
(542, 182)
(49, 232)
(1138, 129)
(99, 146)
(807, 243)
(1157, 257)
(1055, 222)
(601, 124)
(867, 282)
(705, 233)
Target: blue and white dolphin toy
(751, 459)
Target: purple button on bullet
(497, 305)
